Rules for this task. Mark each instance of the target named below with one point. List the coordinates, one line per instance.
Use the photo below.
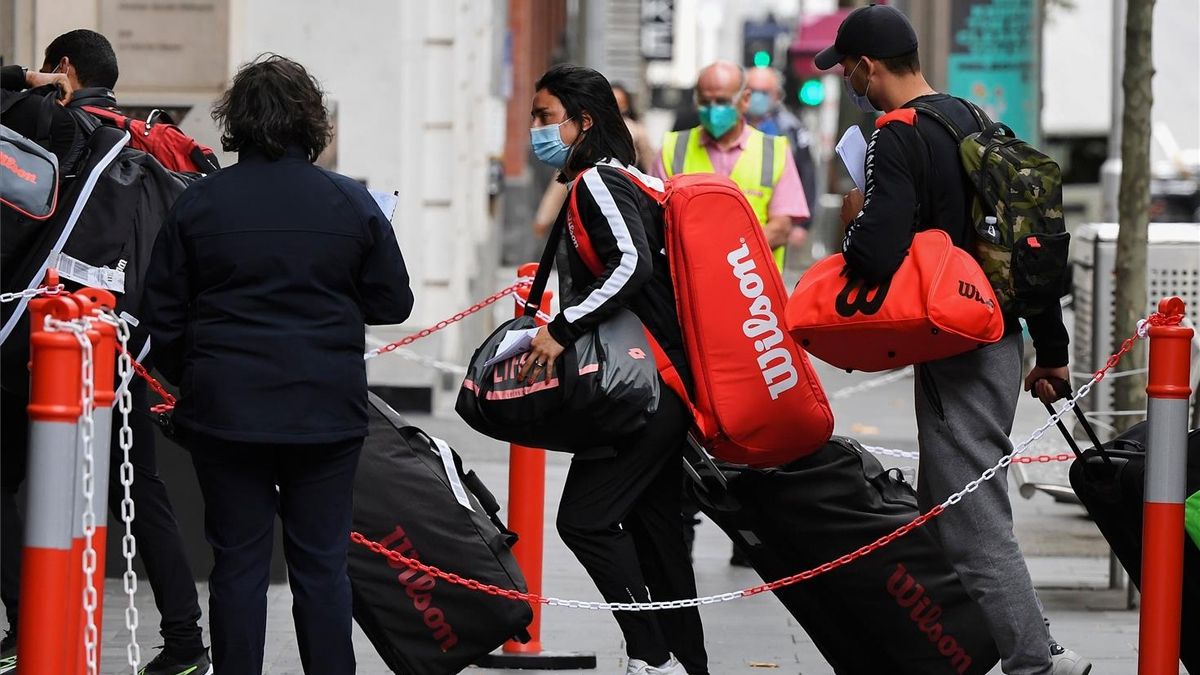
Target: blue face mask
(864, 104)
(717, 120)
(548, 145)
(760, 104)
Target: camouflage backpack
(1017, 212)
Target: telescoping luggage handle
(1062, 388)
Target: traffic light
(812, 92)
(759, 39)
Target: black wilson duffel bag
(412, 495)
(604, 386)
(900, 610)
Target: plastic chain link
(125, 371)
(168, 403)
(31, 293)
(951, 501)
(479, 306)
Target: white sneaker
(1067, 662)
(640, 667)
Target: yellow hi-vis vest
(757, 171)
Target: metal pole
(1166, 489)
(49, 604)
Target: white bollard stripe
(103, 417)
(1166, 450)
(50, 522)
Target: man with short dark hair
(84, 65)
(965, 404)
(85, 57)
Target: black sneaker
(1067, 662)
(8, 653)
(739, 558)
(167, 663)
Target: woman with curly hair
(257, 291)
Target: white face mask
(860, 100)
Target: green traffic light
(762, 58)
(812, 92)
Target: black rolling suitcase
(1109, 479)
(412, 495)
(899, 610)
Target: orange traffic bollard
(526, 517)
(104, 357)
(50, 606)
(1163, 531)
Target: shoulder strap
(941, 119)
(545, 265)
(981, 117)
(117, 119)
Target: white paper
(386, 201)
(514, 342)
(853, 151)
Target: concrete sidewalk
(1067, 557)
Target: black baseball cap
(877, 31)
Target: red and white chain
(31, 293)
(479, 306)
(841, 561)
(125, 372)
(398, 346)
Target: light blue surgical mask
(864, 104)
(718, 119)
(760, 104)
(548, 144)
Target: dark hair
(904, 64)
(583, 90)
(273, 103)
(90, 53)
(631, 112)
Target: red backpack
(757, 400)
(161, 138)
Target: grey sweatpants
(965, 410)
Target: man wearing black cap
(964, 404)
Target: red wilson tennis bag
(757, 401)
(604, 386)
(939, 303)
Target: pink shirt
(788, 197)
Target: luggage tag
(89, 275)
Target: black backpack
(101, 234)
